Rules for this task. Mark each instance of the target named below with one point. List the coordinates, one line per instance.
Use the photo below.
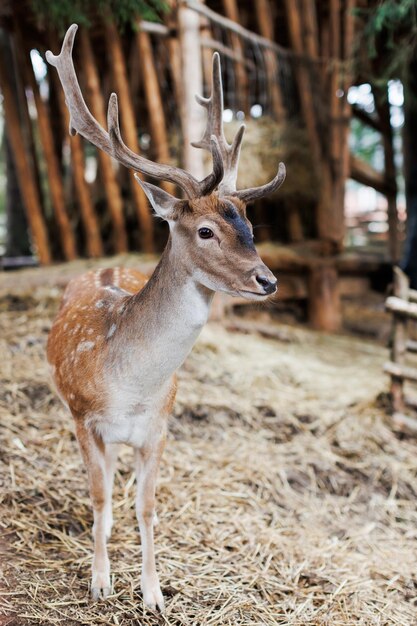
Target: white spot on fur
(85, 345)
(111, 331)
(99, 304)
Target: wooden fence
(402, 367)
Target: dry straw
(284, 496)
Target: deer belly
(136, 430)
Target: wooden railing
(403, 305)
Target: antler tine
(253, 193)
(192, 187)
(229, 152)
(214, 106)
(81, 120)
(84, 123)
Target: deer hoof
(152, 597)
(100, 586)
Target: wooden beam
(153, 28)
(128, 124)
(324, 297)
(158, 126)
(96, 103)
(52, 164)
(213, 44)
(24, 171)
(94, 243)
(400, 371)
(335, 55)
(232, 12)
(234, 27)
(399, 340)
(402, 307)
(365, 174)
(411, 346)
(328, 228)
(404, 423)
(345, 107)
(192, 121)
(365, 118)
(266, 27)
(384, 112)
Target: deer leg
(111, 453)
(147, 463)
(94, 455)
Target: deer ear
(162, 202)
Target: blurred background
(287, 493)
(328, 87)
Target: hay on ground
(284, 497)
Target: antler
(229, 152)
(82, 121)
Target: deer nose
(269, 286)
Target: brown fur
(77, 372)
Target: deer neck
(162, 322)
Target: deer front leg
(111, 453)
(94, 455)
(147, 463)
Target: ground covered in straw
(284, 496)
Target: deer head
(208, 229)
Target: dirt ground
(284, 495)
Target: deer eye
(205, 233)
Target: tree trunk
(27, 184)
(17, 240)
(409, 263)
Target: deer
(119, 337)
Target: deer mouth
(253, 295)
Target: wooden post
(25, 119)
(174, 51)
(96, 104)
(324, 297)
(399, 340)
(383, 108)
(192, 83)
(128, 125)
(206, 35)
(53, 169)
(154, 103)
(94, 245)
(346, 109)
(232, 12)
(294, 221)
(266, 28)
(24, 172)
(326, 227)
(335, 50)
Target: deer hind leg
(147, 463)
(93, 451)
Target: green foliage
(365, 142)
(62, 13)
(390, 33)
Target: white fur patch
(85, 345)
(111, 331)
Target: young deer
(118, 338)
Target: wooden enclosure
(287, 69)
(403, 306)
